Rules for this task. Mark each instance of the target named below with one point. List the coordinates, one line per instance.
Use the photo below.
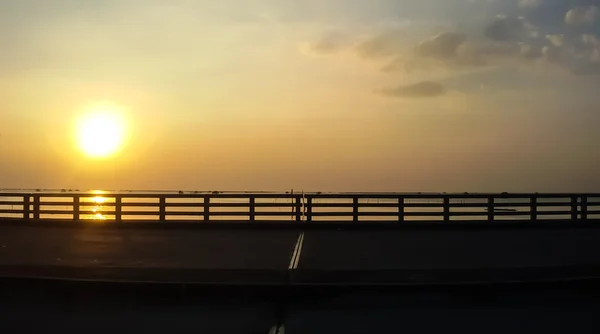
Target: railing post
(298, 206)
(162, 209)
(252, 209)
(118, 209)
(400, 209)
(446, 208)
(26, 207)
(584, 208)
(533, 208)
(574, 211)
(206, 208)
(76, 207)
(36, 206)
(490, 208)
(309, 209)
(355, 209)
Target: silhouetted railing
(309, 207)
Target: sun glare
(100, 133)
(97, 203)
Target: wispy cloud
(441, 46)
(423, 89)
(330, 42)
(387, 43)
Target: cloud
(579, 56)
(397, 46)
(528, 51)
(507, 29)
(595, 56)
(396, 64)
(573, 59)
(485, 53)
(423, 89)
(582, 15)
(556, 40)
(530, 3)
(441, 46)
(453, 50)
(590, 68)
(510, 42)
(589, 39)
(500, 49)
(385, 44)
(442, 49)
(328, 43)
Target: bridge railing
(309, 207)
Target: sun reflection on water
(97, 204)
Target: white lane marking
(297, 252)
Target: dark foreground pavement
(300, 280)
(548, 309)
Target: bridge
(299, 208)
(300, 239)
(398, 247)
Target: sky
(338, 95)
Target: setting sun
(100, 133)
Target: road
(287, 258)
(247, 256)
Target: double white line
(297, 252)
(294, 261)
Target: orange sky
(271, 95)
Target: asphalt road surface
(247, 256)
(344, 259)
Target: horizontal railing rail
(307, 207)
